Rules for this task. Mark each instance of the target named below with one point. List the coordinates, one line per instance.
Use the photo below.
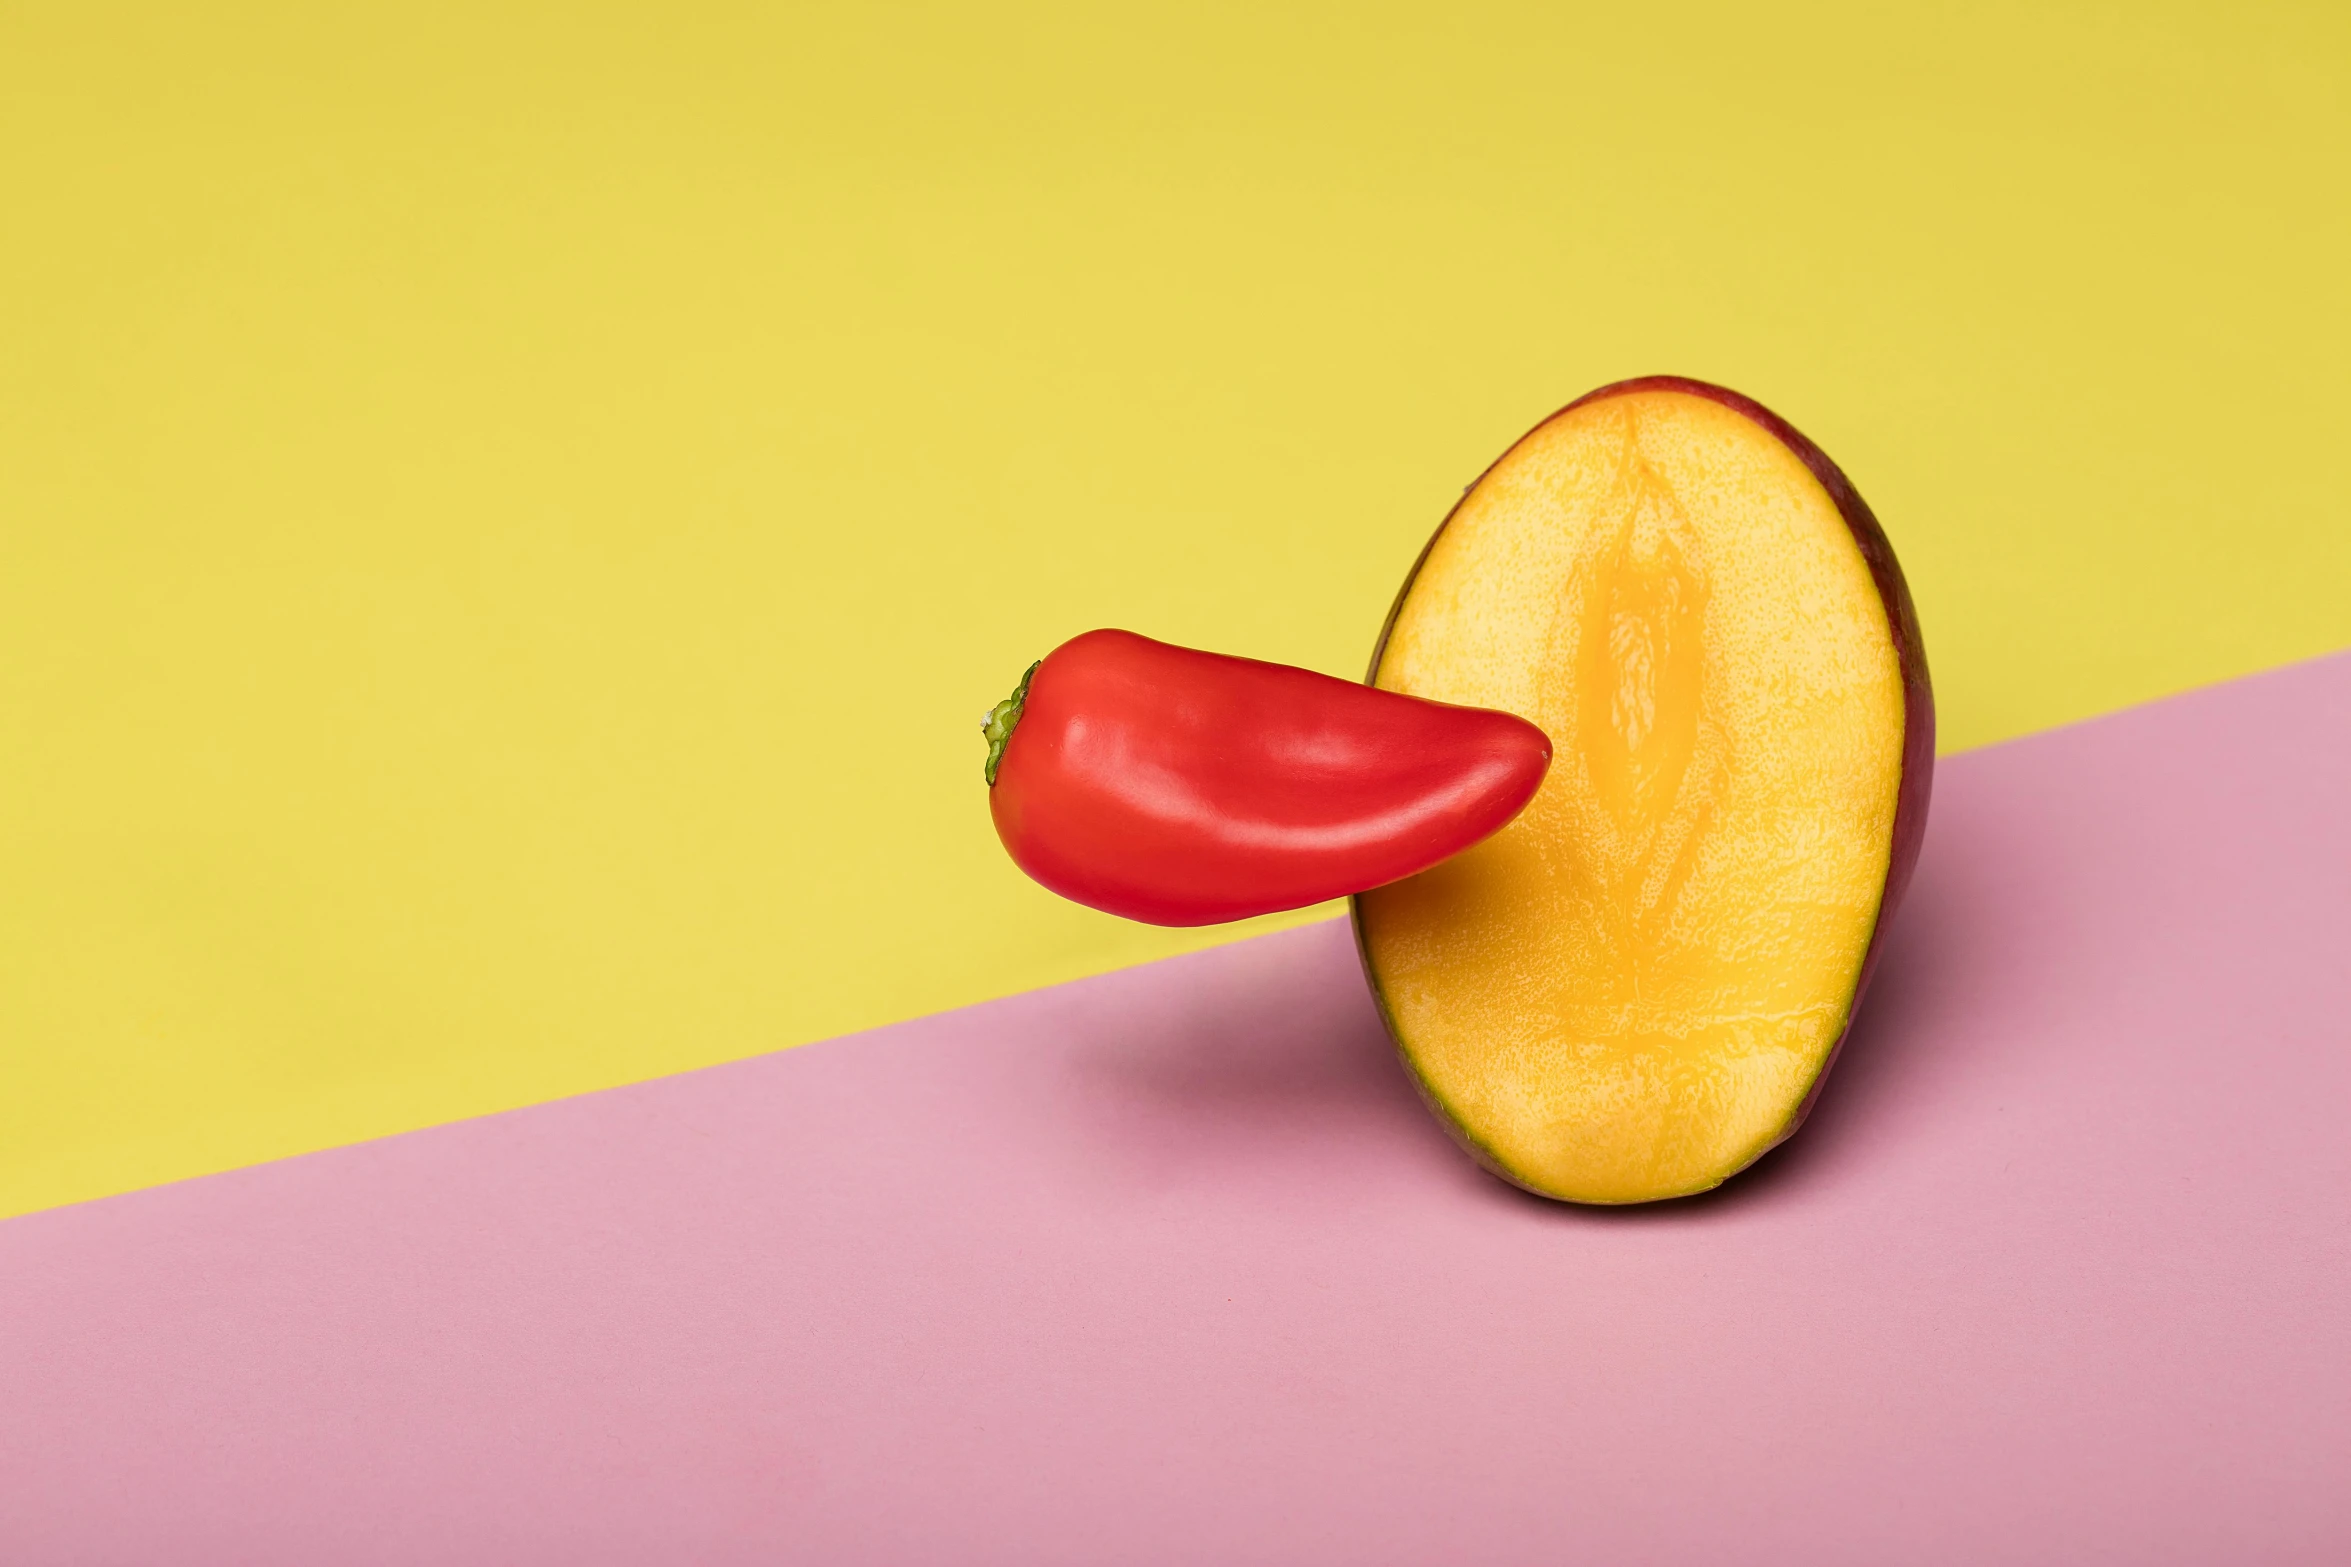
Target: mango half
(1637, 987)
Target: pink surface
(1170, 1267)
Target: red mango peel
(1179, 787)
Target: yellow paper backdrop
(510, 515)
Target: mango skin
(1914, 790)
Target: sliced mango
(1633, 991)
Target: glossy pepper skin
(1186, 788)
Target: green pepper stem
(1002, 719)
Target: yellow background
(510, 516)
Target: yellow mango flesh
(1628, 992)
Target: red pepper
(1187, 788)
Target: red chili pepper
(1187, 788)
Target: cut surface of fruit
(1631, 991)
